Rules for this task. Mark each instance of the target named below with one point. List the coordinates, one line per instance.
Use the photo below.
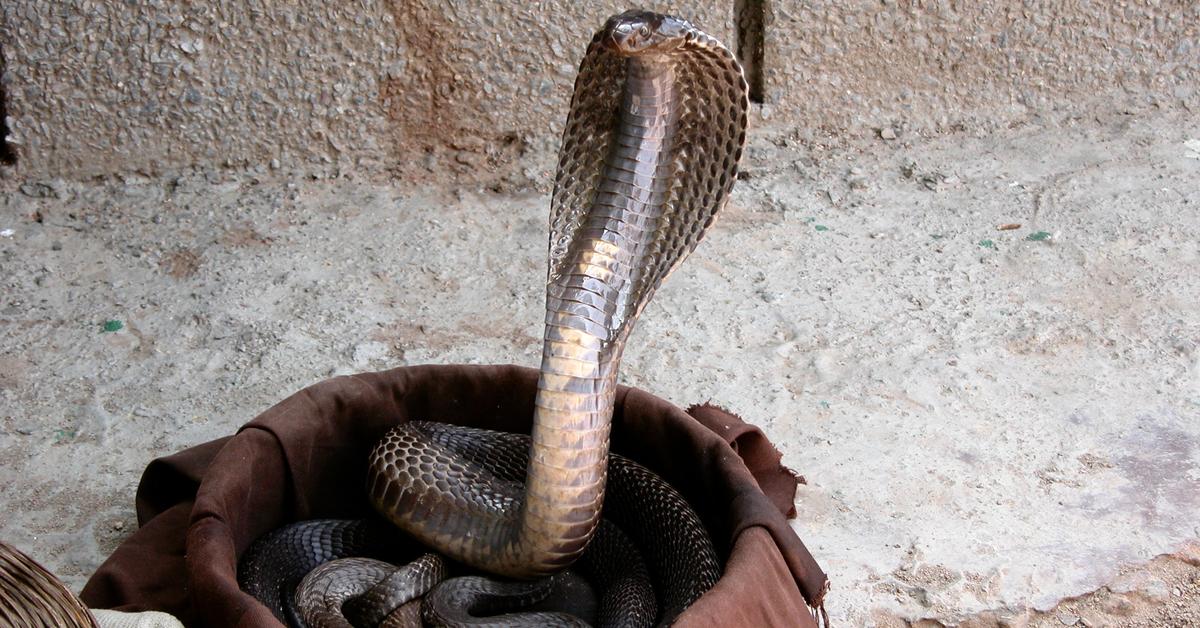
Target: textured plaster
(102, 87)
(99, 87)
(864, 65)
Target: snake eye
(644, 31)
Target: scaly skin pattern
(364, 590)
(583, 340)
(650, 155)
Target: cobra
(649, 157)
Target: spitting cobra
(649, 156)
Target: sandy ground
(990, 421)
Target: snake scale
(649, 156)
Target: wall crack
(749, 17)
(8, 154)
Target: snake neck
(588, 317)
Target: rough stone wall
(98, 87)
(937, 66)
(488, 81)
(103, 86)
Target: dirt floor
(981, 352)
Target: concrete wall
(937, 66)
(97, 87)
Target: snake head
(642, 32)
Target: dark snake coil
(649, 156)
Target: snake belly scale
(649, 156)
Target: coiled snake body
(649, 156)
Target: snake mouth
(628, 36)
(640, 32)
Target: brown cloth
(305, 458)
